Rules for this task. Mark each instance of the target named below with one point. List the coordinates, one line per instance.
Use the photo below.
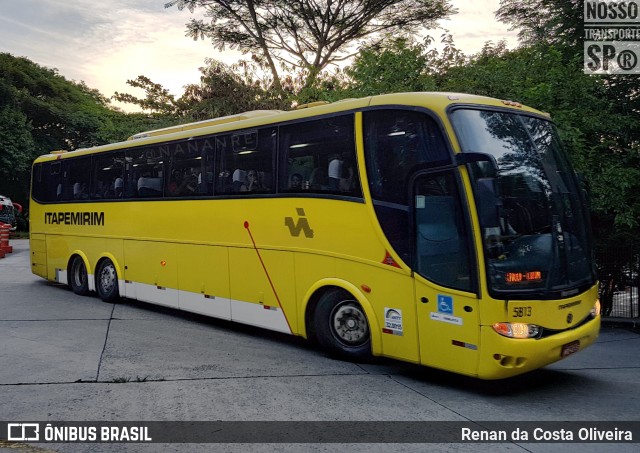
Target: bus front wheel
(78, 279)
(107, 281)
(341, 326)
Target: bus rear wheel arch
(340, 325)
(77, 276)
(107, 281)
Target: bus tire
(341, 326)
(78, 278)
(107, 281)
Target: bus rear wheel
(78, 279)
(107, 281)
(341, 326)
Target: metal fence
(619, 275)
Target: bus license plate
(570, 348)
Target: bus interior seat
(149, 187)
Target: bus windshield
(534, 221)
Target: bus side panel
(258, 303)
(153, 268)
(310, 269)
(39, 255)
(58, 254)
(391, 296)
(203, 279)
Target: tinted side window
(319, 156)
(145, 179)
(244, 162)
(47, 181)
(442, 245)
(76, 179)
(396, 142)
(108, 176)
(185, 170)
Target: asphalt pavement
(67, 357)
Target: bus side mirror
(470, 158)
(487, 200)
(584, 188)
(488, 203)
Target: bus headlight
(517, 329)
(595, 311)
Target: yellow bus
(447, 230)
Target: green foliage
(225, 90)
(41, 111)
(545, 21)
(398, 65)
(16, 140)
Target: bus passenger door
(447, 308)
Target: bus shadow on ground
(534, 382)
(539, 380)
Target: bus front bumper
(504, 357)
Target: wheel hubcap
(107, 278)
(350, 324)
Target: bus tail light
(517, 329)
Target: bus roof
(206, 123)
(437, 101)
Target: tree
(157, 99)
(307, 35)
(225, 90)
(401, 64)
(41, 111)
(548, 21)
(397, 65)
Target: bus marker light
(163, 263)
(365, 288)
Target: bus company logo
(302, 225)
(23, 432)
(74, 218)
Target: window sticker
(393, 321)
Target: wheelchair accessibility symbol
(445, 304)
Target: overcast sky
(105, 43)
